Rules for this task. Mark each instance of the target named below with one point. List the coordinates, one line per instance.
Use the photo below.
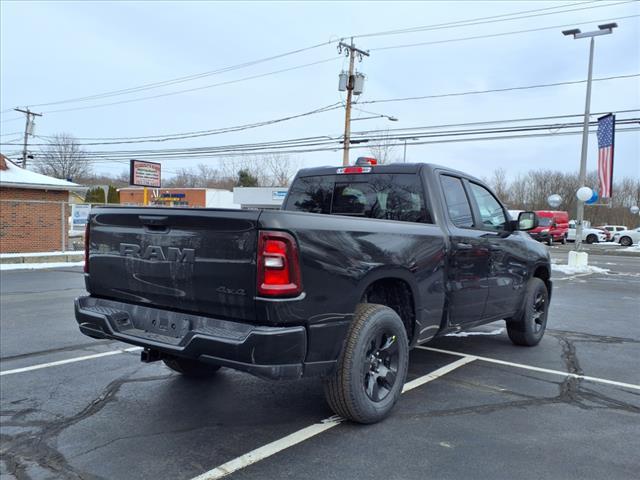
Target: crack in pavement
(571, 390)
(589, 337)
(79, 346)
(33, 448)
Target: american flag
(606, 135)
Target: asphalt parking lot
(479, 407)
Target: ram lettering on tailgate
(156, 252)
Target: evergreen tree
(113, 196)
(245, 179)
(95, 195)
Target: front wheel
(564, 240)
(190, 368)
(528, 326)
(591, 238)
(626, 241)
(550, 241)
(372, 367)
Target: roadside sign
(145, 174)
(278, 195)
(79, 216)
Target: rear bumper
(268, 352)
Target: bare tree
(63, 158)
(271, 170)
(384, 149)
(499, 184)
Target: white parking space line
(436, 373)
(535, 369)
(68, 360)
(311, 431)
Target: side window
(457, 201)
(491, 212)
(391, 197)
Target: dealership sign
(144, 174)
(79, 216)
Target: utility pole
(350, 51)
(28, 130)
(577, 34)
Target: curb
(70, 257)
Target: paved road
(112, 417)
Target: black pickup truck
(361, 264)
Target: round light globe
(554, 200)
(584, 194)
(634, 210)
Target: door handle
(464, 246)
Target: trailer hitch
(149, 355)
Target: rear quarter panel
(342, 256)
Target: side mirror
(527, 221)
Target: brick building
(34, 210)
(179, 197)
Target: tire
(372, 367)
(550, 241)
(527, 328)
(564, 240)
(191, 368)
(626, 241)
(591, 238)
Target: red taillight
(86, 247)
(278, 265)
(351, 170)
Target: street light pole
(404, 155)
(576, 33)
(585, 144)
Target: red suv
(553, 226)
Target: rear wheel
(550, 241)
(527, 328)
(591, 238)
(625, 241)
(564, 240)
(372, 367)
(191, 368)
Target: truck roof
(386, 168)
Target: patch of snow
(469, 334)
(17, 175)
(566, 269)
(40, 254)
(39, 266)
(633, 248)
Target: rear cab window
(373, 195)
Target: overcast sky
(53, 51)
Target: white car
(626, 238)
(589, 235)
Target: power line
(496, 90)
(200, 133)
(290, 145)
(488, 20)
(493, 35)
(456, 24)
(177, 92)
(369, 145)
(187, 78)
(186, 135)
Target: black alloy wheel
(381, 365)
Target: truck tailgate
(184, 259)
